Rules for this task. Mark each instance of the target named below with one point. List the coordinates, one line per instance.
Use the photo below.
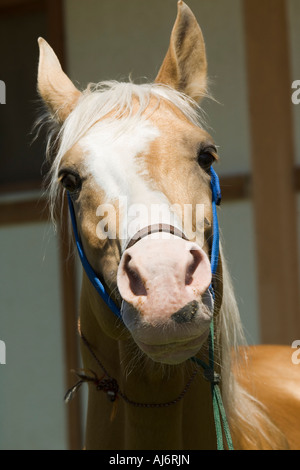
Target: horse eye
(71, 181)
(206, 158)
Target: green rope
(218, 407)
(223, 417)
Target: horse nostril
(186, 313)
(192, 266)
(136, 284)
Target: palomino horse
(119, 146)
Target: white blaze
(111, 157)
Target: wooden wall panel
(273, 186)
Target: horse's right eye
(206, 157)
(206, 160)
(71, 181)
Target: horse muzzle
(166, 305)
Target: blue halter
(88, 268)
(209, 372)
(216, 200)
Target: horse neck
(186, 424)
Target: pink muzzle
(164, 279)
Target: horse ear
(185, 67)
(56, 89)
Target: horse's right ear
(56, 89)
(185, 67)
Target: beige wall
(236, 222)
(32, 411)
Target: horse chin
(168, 343)
(173, 353)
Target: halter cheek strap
(88, 268)
(216, 201)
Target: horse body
(272, 378)
(146, 142)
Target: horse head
(136, 162)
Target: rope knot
(212, 376)
(108, 385)
(105, 384)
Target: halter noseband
(155, 228)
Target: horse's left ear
(185, 67)
(54, 86)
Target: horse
(118, 150)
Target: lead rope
(219, 412)
(209, 372)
